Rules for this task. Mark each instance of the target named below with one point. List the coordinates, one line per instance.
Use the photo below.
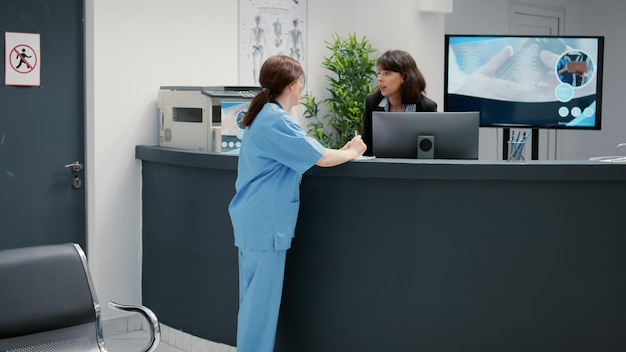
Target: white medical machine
(191, 117)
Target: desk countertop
(556, 170)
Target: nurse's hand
(350, 151)
(356, 144)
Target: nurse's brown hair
(277, 72)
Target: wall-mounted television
(425, 135)
(547, 82)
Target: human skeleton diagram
(278, 31)
(294, 42)
(257, 47)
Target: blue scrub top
(274, 154)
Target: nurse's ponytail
(277, 72)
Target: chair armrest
(149, 316)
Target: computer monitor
(425, 135)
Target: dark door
(42, 129)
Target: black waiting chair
(48, 302)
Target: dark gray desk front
(402, 255)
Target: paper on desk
(609, 159)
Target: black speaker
(425, 147)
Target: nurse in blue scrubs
(274, 154)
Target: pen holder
(517, 152)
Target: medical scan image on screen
(546, 82)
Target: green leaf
(351, 79)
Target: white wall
(604, 17)
(134, 47)
(581, 18)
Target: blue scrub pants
(261, 275)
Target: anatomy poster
(267, 28)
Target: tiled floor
(134, 342)
(127, 335)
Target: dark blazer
(371, 104)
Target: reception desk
(402, 255)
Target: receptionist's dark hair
(414, 86)
(277, 72)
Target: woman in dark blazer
(401, 87)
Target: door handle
(75, 166)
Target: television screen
(526, 81)
(425, 135)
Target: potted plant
(353, 74)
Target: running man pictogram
(23, 58)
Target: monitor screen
(231, 132)
(425, 135)
(526, 81)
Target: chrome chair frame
(48, 302)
